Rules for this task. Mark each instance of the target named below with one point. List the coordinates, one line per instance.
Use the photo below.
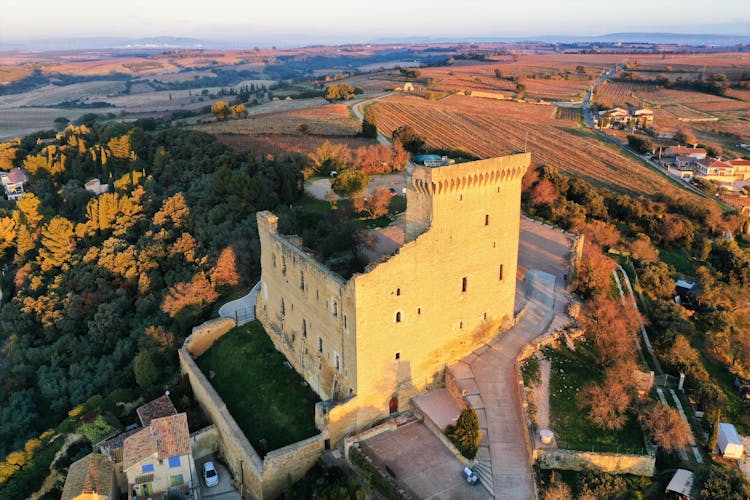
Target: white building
(13, 182)
(730, 444)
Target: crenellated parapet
(466, 176)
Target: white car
(210, 476)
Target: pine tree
(58, 243)
(145, 370)
(713, 438)
(369, 123)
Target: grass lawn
(570, 372)
(679, 259)
(269, 400)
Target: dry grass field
(487, 130)
(51, 95)
(276, 132)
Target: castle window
(398, 355)
(335, 311)
(273, 259)
(345, 325)
(398, 291)
(485, 315)
(501, 272)
(304, 329)
(283, 307)
(338, 363)
(419, 311)
(283, 265)
(461, 325)
(320, 345)
(464, 283)
(302, 281)
(486, 219)
(460, 197)
(398, 317)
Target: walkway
(242, 309)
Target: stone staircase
(462, 378)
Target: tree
(329, 157)
(685, 136)
(543, 193)
(7, 234)
(239, 111)
(174, 210)
(657, 280)
(723, 482)
(611, 327)
(197, 292)
(601, 233)
(145, 371)
(225, 272)
(376, 205)
(341, 92)
(594, 271)
(641, 144)
(607, 403)
(369, 123)
(466, 434)
(668, 431)
(642, 249)
(713, 438)
(303, 129)
(373, 159)
(58, 243)
(409, 139)
(349, 183)
(399, 157)
(221, 110)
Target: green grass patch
(269, 400)
(679, 259)
(570, 372)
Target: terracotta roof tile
(172, 435)
(91, 474)
(159, 407)
(138, 447)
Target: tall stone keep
(371, 342)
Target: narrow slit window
(398, 317)
(486, 219)
(419, 311)
(304, 329)
(283, 307)
(320, 345)
(302, 281)
(398, 291)
(501, 272)
(398, 355)
(464, 284)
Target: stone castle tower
(377, 339)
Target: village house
(636, 117)
(13, 182)
(158, 458)
(714, 170)
(91, 478)
(686, 152)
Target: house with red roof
(158, 459)
(686, 152)
(13, 182)
(715, 170)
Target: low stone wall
(291, 461)
(204, 442)
(255, 478)
(444, 439)
(203, 336)
(450, 384)
(612, 463)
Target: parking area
(222, 491)
(421, 463)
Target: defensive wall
(372, 342)
(255, 477)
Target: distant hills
(731, 36)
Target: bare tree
(667, 429)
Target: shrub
(465, 435)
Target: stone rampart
(612, 463)
(291, 461)
(204, 442)
(204, 335)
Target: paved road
(543, 262)
(587, 115)
(357, 110)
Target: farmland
(276, 132)
(484, 129)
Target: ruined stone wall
(612, 463)
(204, 442)
(204, 335)
(308, 312)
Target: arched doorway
(393, 405)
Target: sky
(322, 21)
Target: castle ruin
(370, 343)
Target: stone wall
(293, 460)
(612, 463)
(203, 336)
(204, 442)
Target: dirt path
(541, 394)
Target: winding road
(358, 113)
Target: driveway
(320, 188)
(491, 369)
(421, 463)
(357, 110)
(222, 491)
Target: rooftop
(682, 482)
(430, 160)
(159, 407)
(93, 473)
(165, 437)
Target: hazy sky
(361, 20)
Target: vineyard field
(572, 114)
(486, 132)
